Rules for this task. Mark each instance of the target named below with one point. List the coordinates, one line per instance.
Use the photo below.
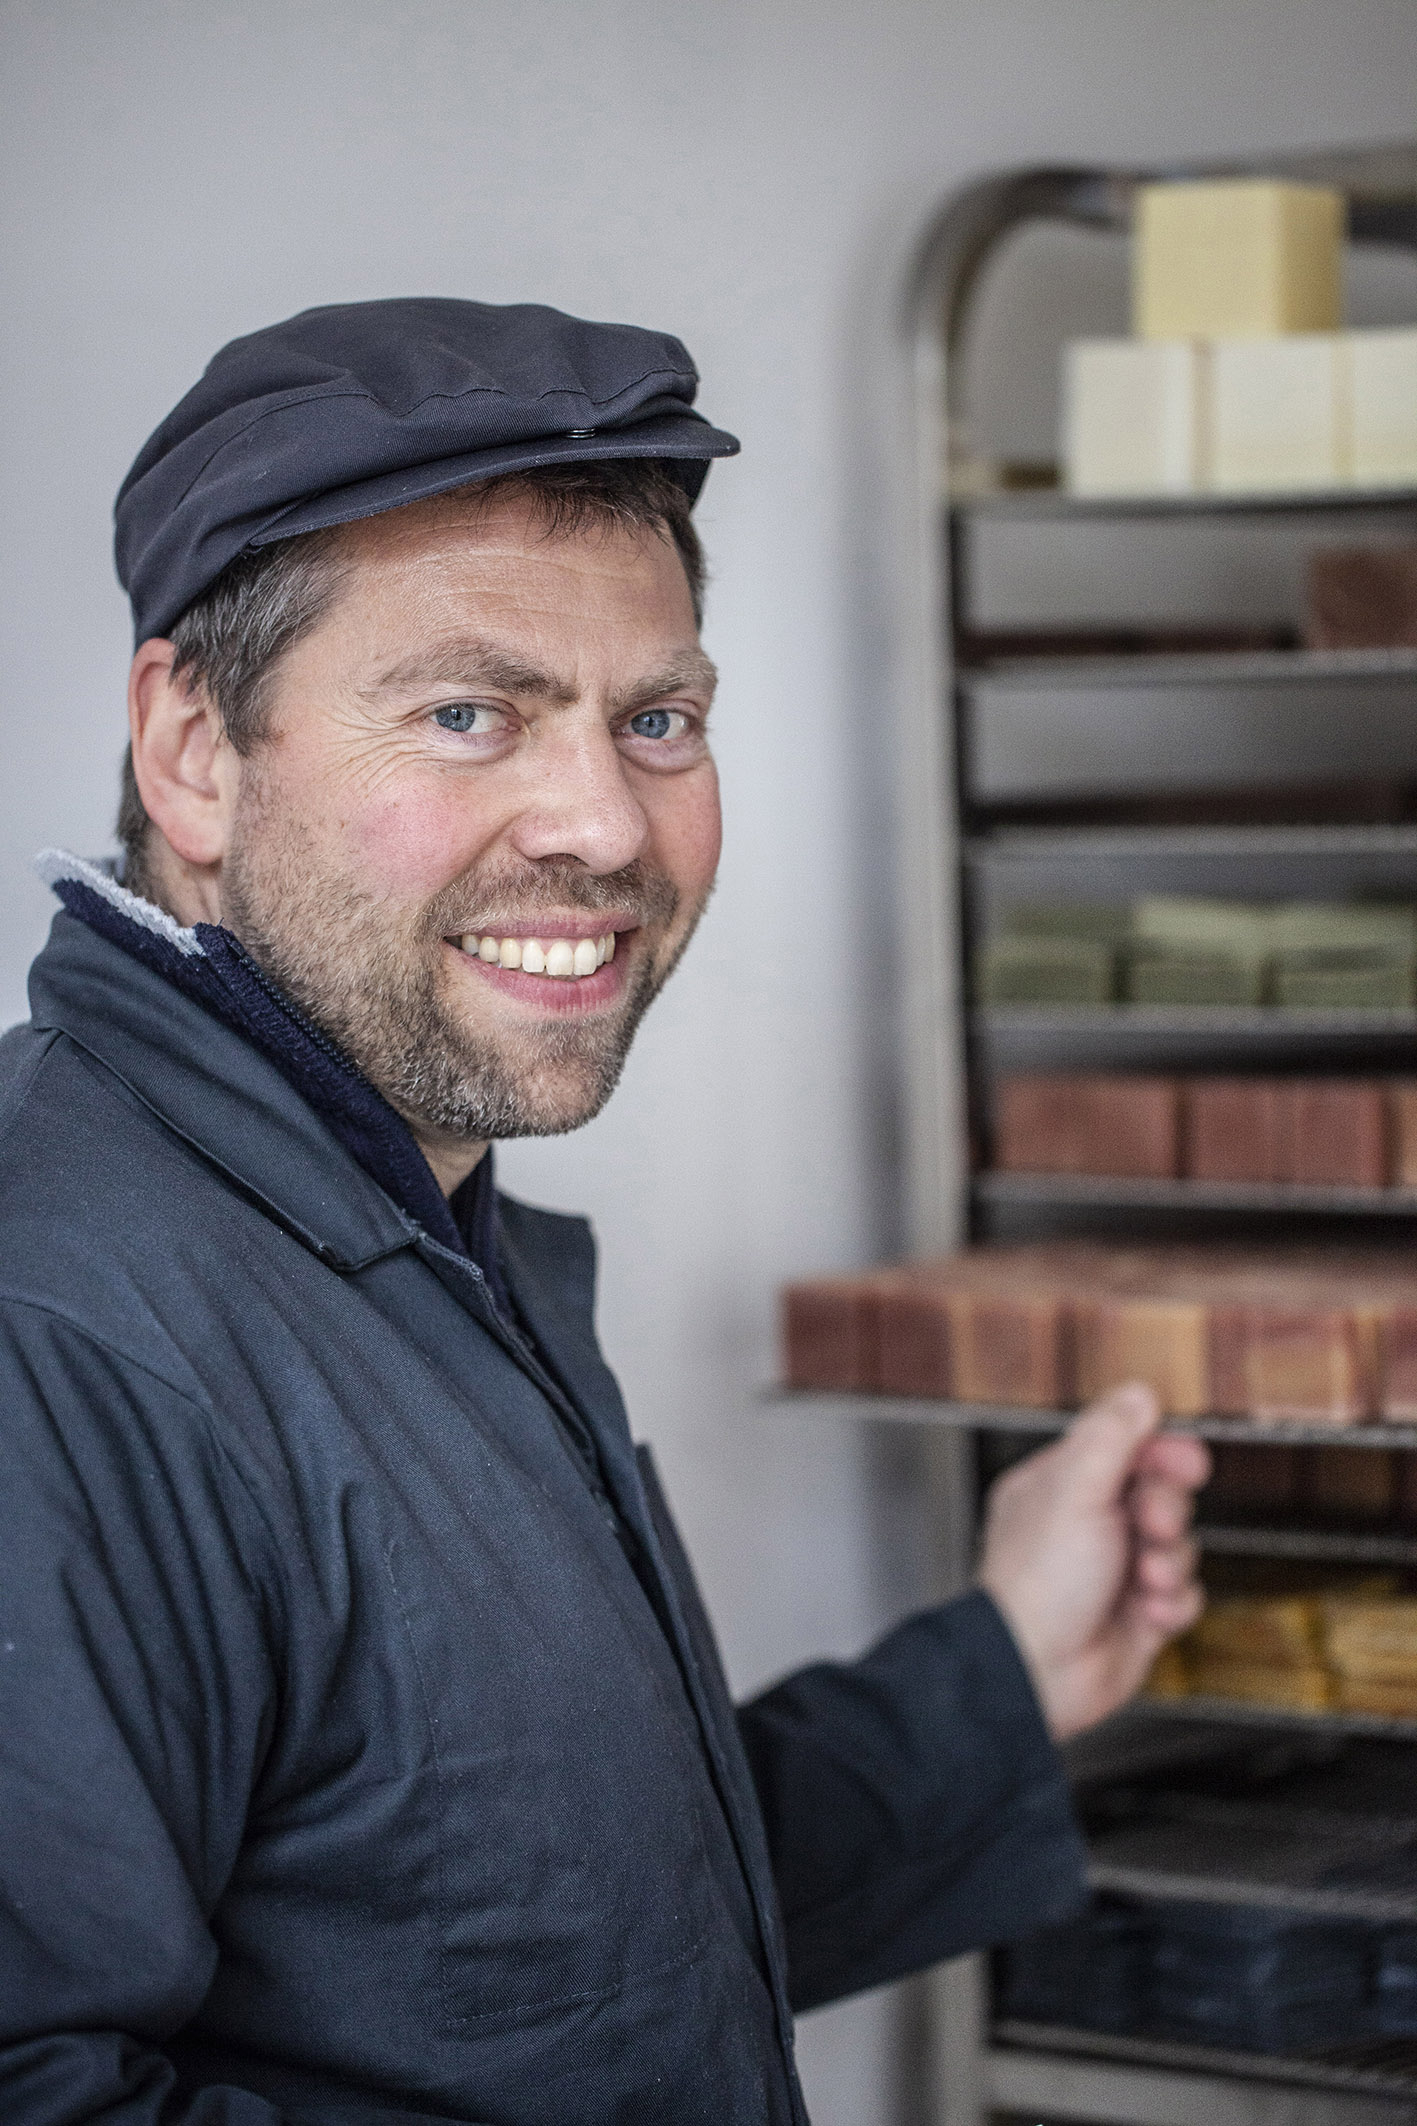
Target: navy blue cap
(356, 408)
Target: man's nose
(580, 803)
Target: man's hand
(1087, 1552)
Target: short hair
(229, 641)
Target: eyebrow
(468, 661)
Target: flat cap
(356, 408)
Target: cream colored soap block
(1249, 257)
(1131, 417)
(1278, 413)
(1383, 373)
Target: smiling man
(364, 1752)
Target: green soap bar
(1232, 929)
(1320, 926)
(1331, 984)
(1090, 922)
(1013, 970)
(1193, 978)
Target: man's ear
(186, 770)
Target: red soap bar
(829, 1333)
(1011, 1346)
(913, 1338)
(1338, 1132)
(1122, 1125)
(1251, 1481)
(1402, 1126)
(1235, 1129)
(1397, 1364)
(1306, 1364)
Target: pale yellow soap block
(1278, 413)
(1383, 370)
(1242, 258)
(1130, 417)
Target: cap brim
(686, 444)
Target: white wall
(749, 174)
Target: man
(364, 1753)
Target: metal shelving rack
(952, 854)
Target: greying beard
(377, 994)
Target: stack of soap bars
(1314, 1132)
(1317, 1338)
(1182, 949)
(1306, 1652)
(1239, 377)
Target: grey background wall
(750, 174)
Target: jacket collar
(216, 1090)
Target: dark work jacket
(350, 1771)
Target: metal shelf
(857, 1405)
(1106, 1191)
(1338, 1546)
(1034, 845)
(1049, 505)
(1381, 2067)
(1234, 1712)
(1205, 668)
(1363, 1870)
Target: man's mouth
(560, 959)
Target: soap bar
(1391, 1697)
(1011, 1346)
(1305, 1364)
(1309, 1689)
(1282, 1631)
(1171, 975)
(1082, 1124)
(1278, 414)
(1344, 981)
(1372, 1638)
(1024, 970)
(1402, 1122)
(1240, 256)
(1235, 1129)
(1397, 1364)
(829, 1334)
(1361, 597)
(1164, 1342)
(913, 1338)
(1349, 1484)
(1131, 417)
(1337, 1132)
(1382, 369)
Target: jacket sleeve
(135, 1691)
(915, 1806)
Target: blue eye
(651, 723)
(457, 715)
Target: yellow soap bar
(1383, 383)
(1278, 413)
(1131, 417)
(1250, 256)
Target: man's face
(487, 762)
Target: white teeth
(565, 959)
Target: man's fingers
(1099, 1451)
(1177, 1457)
(1161, 1512)
(1165, 1568)
(1171, 1614)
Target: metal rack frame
(1067, 2075)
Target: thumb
(1101, 1446)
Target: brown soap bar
(1389, 1699)
(829, 1333)
(1338, 1132)
(1115, 1124)
(1164, 1342)
(1361, 598)
(1397, 1364)
(1402, 1129)
(1011, 1346)
(1306, 1689)
(913, 1338)
(1306, 1364)
(1349, 1484)
(1235, 1129)
(1251, 1481)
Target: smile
(562, 959)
